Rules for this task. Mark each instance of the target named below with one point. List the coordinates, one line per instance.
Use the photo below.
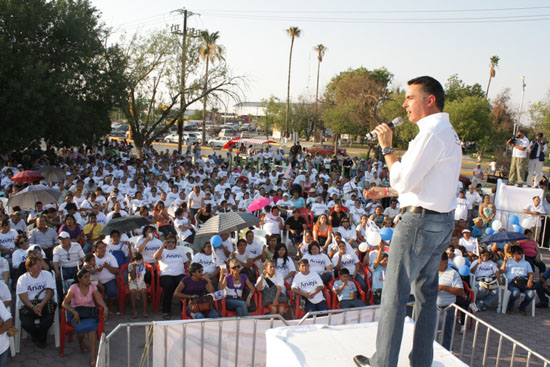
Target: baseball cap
(64, 235)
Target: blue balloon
(216, 240)
(514, 219)
(489, 231)
(386, 233)
(467, 261)
(517, 228)
(464, 270)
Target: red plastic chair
(468, 290)
(335, 303)
(308, 217)
(368, 282)
(228, 313)
(66, 328)
(124, 289)
(299, 313)
(185, 316)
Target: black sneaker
(361, 361)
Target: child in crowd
(346, 291)
(90, 265)
(136, 283)
(379, 273)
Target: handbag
(520, 283)
(201, 304)
(489, 284)
(49, 307)
(85, 312)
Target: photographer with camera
(519, 143)
(536, 160)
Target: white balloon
(497, 224)
(458, 253)
(526, 223)
(459, 261)
(363, 247)
(373, 238)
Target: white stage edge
(324, 345)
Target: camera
(513, 139)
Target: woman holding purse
(80, 303)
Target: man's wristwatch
(387, 150)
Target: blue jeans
(484, 296)
(449, 318)
(361, 282)
(4, 358)
(515, 292)
(212, 314)
(236, 304)
(415, 253)
(321, 306)
(111, 289)
(351, 303)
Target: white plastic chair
(259, 235)
(54, 329)
(506, 297)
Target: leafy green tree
(503, 114)
(456, 89)
(153, 77)
(471, 118)
(492, 71)
(58, 80)
(274, 115)
(293, 33)
(540, 115)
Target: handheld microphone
(394, 123)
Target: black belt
(418, 210)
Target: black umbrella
(53, 174)
(125, 224)
(224, 223)
(504, 237)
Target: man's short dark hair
(444, 256)
(433, 87)
(303, 262)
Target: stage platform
(323, 345)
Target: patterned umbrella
(27, 176)
(28, 197)
(224, 223)
(53, 174)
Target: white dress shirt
(428, 170)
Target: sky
(437, 38)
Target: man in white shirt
(474, 199)
(425, 181)
(535, 211)
(392, 211)
(519, 153)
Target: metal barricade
(476, 347)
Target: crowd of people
(322, 241)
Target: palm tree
(320, 49)
(209, 51)
(492, 73)
(293, 32)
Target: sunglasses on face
(236, 267)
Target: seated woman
(163, 220)
(80, 303)
(520, 279)
(303, 247)
(72, 228)
(309, 285)
(204, 214)
(272, 242)
(284, 265)
(244, 259)
(345, 259)
(106, 271)
(319, 263)
(195, 285)
(377, 217)
(36, 284)
(234, 284)
(487, 210)
(485, 271)
(33, 250)
(272, 286)
(322, 231)
(206, 258)
(172, 262)
(532, 252)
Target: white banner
(511, 200)
(230, 342)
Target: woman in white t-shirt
(284, 264)
(106, 270)
(172, 263)
(20, 254)
(319, 263)
(272, 286)
(209, 265)
(195, 200)
(7, 322)
(148, 244)
(303, 247)
(39, 284)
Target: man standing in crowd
(424, 180)
(519, 153)
(536, 161)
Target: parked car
(325, 150)
(187, 138)
(219, 142)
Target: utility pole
(516, 127)
(175, 30)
